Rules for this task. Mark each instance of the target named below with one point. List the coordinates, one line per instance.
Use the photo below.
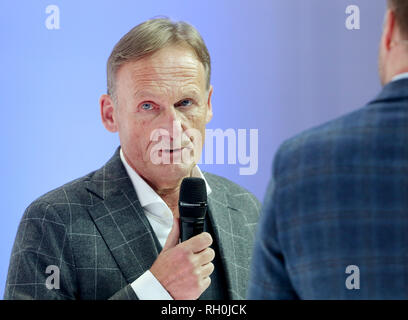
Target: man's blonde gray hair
(151, 36)
(400, 8)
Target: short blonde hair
(151, 36)
(400, 8)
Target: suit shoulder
(342, 141)
(221, 182)
(329, 130)
(232, 188)
(70, 192)
(317, 140)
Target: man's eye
(185, 103)
(147, 106)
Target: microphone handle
(190, 227)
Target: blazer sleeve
(269, 278)
(42, 264)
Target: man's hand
(184, 269)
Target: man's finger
(174, 235)
(207, 270)
(199, 242)
(205, 256)
(205, 283)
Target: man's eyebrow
(191, 91)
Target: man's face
(160, 99)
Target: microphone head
(192, 207)
(193, 199)
(193, 190)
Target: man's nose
(171, 121)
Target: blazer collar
(120, 219)
(394, 90)
(232, 235)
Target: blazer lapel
(232, 237)
(120, 219)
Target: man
(114, 234)
(335, 217)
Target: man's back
(340, 198)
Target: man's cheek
(146, 155)
(196, 136)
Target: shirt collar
(400, 76)
(144, 192)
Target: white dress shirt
(400, 76)
(147, 287)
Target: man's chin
(172, 172)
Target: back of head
(400, 9)
(151, 36)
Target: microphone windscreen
(193, 190)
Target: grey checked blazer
(94, 230)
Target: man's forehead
(176, 61)
(166, 74)
(146, 79)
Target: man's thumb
(174, 235)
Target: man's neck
(168, 192)
(170, 197)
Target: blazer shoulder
(74, 189)
(317, 139)
(233, 189)
(342, 142)
(329, 130)
(73, 192)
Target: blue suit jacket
(339, 198)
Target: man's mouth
(173, 150)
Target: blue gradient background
(279, 66)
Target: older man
(335, 219)
(114, 234)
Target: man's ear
(209, 105)
(107, 113)
(389, 34)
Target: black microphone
(192, 207)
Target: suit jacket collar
(231, 234)
(120, 219)
(394, 90)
